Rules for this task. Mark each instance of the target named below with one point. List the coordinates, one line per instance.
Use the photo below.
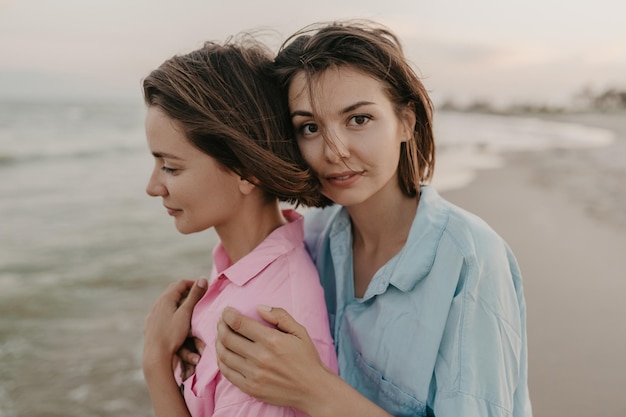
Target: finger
(281, 319)
(186, 371)
(233, 341)
(199, 344)
(245, 326)
(195, 294)
(177, 291)
(187, 353)
(236, 378)
(230, 364)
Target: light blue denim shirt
(441, 328)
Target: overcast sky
(504, 51)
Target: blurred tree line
(610, 99)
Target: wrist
(156, 362)
(320, 400)
(335, 397)
(157, 374)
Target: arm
(167, 399)
(165, 330)
(481, 367)
(282, 367)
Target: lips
(172, 212)
(343, 179)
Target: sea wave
(7, 159)
(26, 156)
(37, 131)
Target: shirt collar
(421, 246)
(415, 260)
(277, 243)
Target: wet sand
(563, 213)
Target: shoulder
(316, 220)
(317, 223)
(444, 231)
(461, 246)
(466, 228)
(459, 230)
(301, 294)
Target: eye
(308, 129)
(359, 120)
(168, 170)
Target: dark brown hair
(231, 108)
(376, 51)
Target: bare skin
(165, 330)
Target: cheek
(201, 187)
(184, 190)
(309, 152)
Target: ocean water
(467, 143)
(84, 251)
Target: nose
(335, 149)
(155, 187)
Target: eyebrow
(355, 106)
(166, 156)
(301, 113)
(345, 110)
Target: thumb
(282, 320)
(195, 294)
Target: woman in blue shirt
(425, 299)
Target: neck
(253, 223)
(383, 222)
(380, 230)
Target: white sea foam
(468, 142)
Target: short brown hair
(231, 108)
(377, 52)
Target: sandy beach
(563, 212)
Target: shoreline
(81, 271)
(563, 214)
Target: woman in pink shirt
(221, 160)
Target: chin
(184, 230)
(346, 200)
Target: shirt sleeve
(231, 402)
(252, 407)
(467, 405)
(482, 358)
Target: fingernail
(228, 314)
(263, 307)
(202, 282)
(195, 360)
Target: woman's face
(358, 158)
(196, 190)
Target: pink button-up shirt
(277, 273)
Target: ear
(408, 120)
(246, 186)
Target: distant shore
(563, 212)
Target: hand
(279, 367)
(189, 356)
(169, 322)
